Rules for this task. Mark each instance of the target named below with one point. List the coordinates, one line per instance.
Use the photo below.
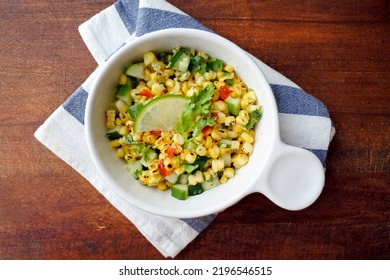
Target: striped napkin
(304, 120)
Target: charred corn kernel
(230, 121)
(239, 160)
(153, 165)
(223, 179)
(217, 164)
(235, 146)
(178, 138)
(229, 172)
(225, 151)
(169, 83)
(201, 150)
(215, 134)
(120, 153)
(149, 57)
(208, 142)
(168, 163)
(214, 152)
(229, 68)
(190, 157)
(123, 130)
(210, 75)
(123, 79)
(158, 89)
(232, 134)
(247, 137)
(115, 143)
(178, 171)
(129, 157)
(162, 186)
(241, 121)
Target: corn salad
(208, 145)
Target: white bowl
(292, 178)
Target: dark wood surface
(339, 51)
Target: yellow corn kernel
(115, 143)
(130, 157)
(229, 172)
(149, 57)
(240, 160)
(178, 171)
(247, 148)
(229, 68)
(235, 146)
(214, 152)
(178, 138)
(201, 150)
(120, 153)
(215, 134)
(208, 142)
(217, 164)
(168, 164)
(162, 186)
(241, 121)
(190, 157)
(230, 121)
(122, 79)
(223, 179)
(246, 137)
(158, 89)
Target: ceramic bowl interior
(112, 168)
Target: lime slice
(160, 114)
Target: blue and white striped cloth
(304, 120)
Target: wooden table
(339, 51)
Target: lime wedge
(160, 114)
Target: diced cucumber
(123, 93)
(136, 70)
(183, 179)
(113, 133)
(179, 191)
(213, 182)
(149, 156)
(134, 168)
(195, 189)
(172, 178)
(215, 65)
(180, 60)
(233, 105)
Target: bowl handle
(293, 179)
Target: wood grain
(339, 51)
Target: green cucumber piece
(136, 70)
(212, 183)
(195, 189)
(123, 93)
(233, 105)
(134, 168)
(113, 133)
(179, 191)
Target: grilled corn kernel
(214, 152)
(229, 172)
(247, 137)
(123, 79)
(230, 121)
(217, 164)
(190, 157)
(120, 153)
(149, 57)
(239, 160)
(201, 150)
(247, 148)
